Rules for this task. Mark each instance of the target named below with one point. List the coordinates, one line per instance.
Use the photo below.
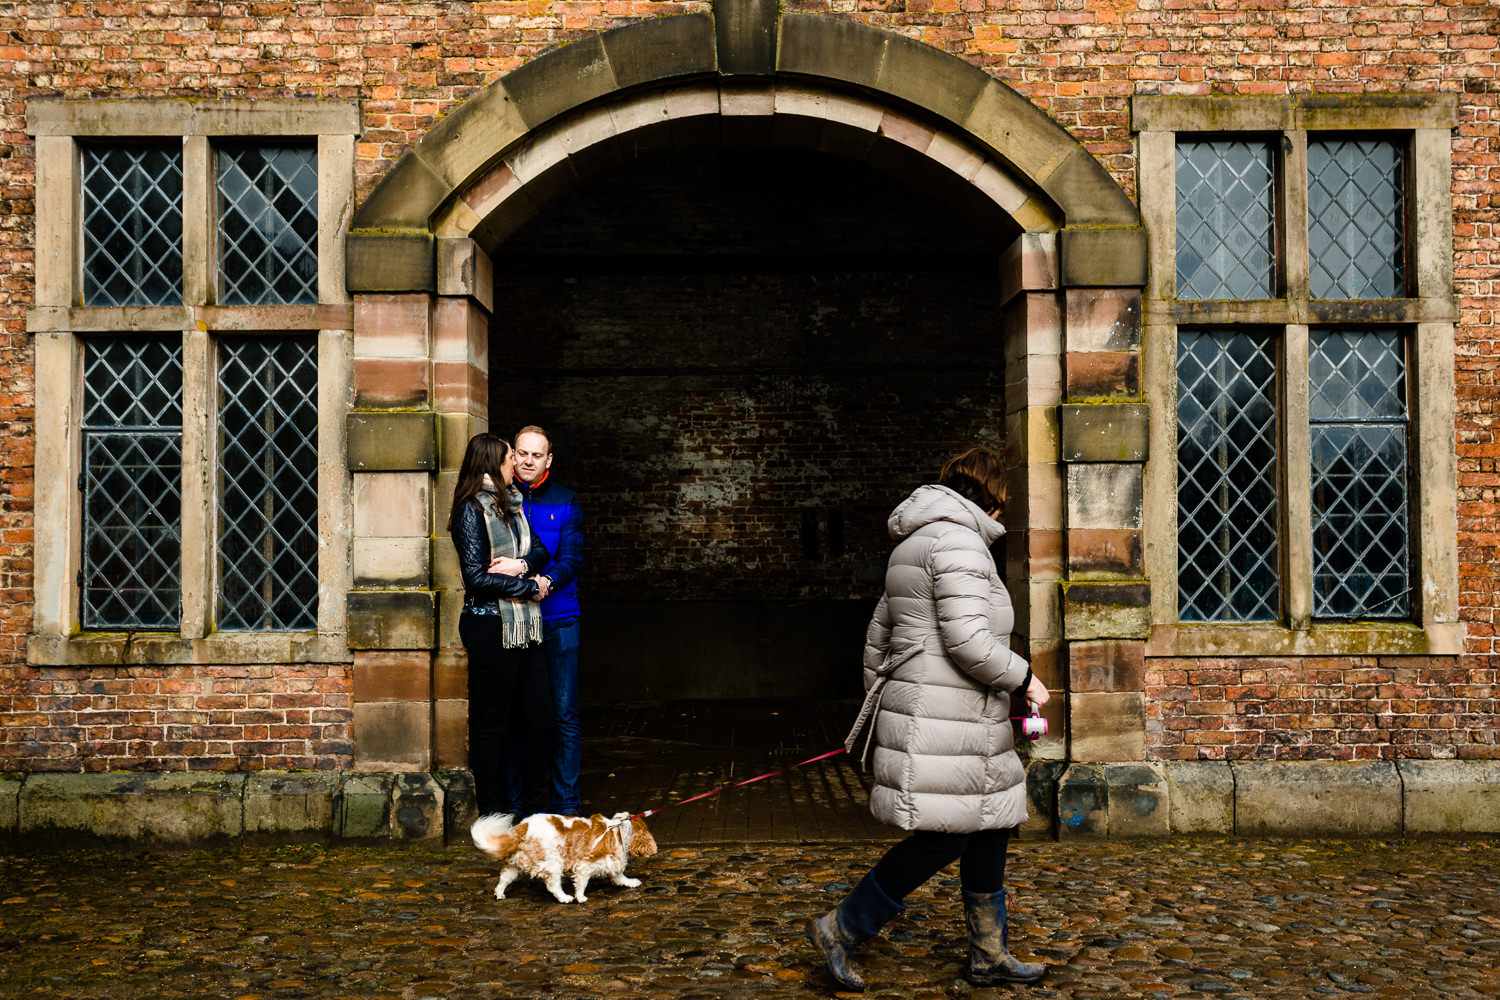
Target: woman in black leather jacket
(510, 696)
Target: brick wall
(410, 63)
(240, 718)
(1361, 708)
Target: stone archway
(418, 260)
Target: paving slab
(1161, 919)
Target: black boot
(990, 961)
(857, 919)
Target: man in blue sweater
(557, 520)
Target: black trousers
(510, 719)
(980, 856)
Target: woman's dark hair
(486, 454)
(978, 476)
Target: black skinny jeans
(510, 719)
(980, 855)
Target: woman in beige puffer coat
(940, 681)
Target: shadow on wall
(746, 360)
(686, 650)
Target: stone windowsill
(1367, 639)
(106, 649)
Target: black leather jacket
(471, 537)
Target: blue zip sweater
(557, 520)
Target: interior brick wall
(743, 374)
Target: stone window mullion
(197, 221)
(1296, 478)
(1293, 184)
(198, 523)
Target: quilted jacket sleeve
(538, 558)
(973, 611)
(471, 539)
(568, 558)
(878, 634)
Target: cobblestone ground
(1157, 920)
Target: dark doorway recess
(745, 359)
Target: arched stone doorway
(421, 259)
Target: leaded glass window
(1226, 220)
(132, 225)
(132, 482)
(268, 483)
(1227, 505)
(268, 225)
(1358, 411)
(1356, 219)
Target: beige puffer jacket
(944, 751)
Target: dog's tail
(494, 835)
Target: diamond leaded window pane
(268, 483)
(1356, 219)
(132, 225)
(268, 225)
(1225, 220)
(1360, 522)
(132, 492)
(1227, 537)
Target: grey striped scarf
(522, 619)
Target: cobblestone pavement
(1157, 919)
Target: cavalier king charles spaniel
(548, 846)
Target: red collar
(533, 487)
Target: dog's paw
(582, 899)
(630, 883)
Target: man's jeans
(561, 640)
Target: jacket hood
(931, 503)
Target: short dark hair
(978, 476)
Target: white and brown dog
(548, 846)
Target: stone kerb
(1106, 800)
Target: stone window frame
(1428, 318)
(56, 321)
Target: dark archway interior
(745, 359)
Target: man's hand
(544, 586)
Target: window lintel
(182, 117)
(1297, 112)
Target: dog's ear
(642, 844)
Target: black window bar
(268, 483)
(268, 225)
(1356, 219)
(1227, 496)
(1226, 220)
(132, 482)
(132, 225)
(1360, 490)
